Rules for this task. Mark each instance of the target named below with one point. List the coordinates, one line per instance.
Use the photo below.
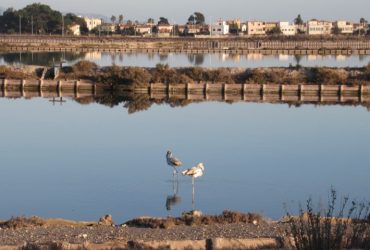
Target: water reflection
(173, 199)
(185, 60)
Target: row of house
(226, 27)
(312, 27)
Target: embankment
(235, 45)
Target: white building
(344, 27)
(316, 27)
(92, 23)
(287, 29)
(220, 28)
(75, 29)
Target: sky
(178, 11)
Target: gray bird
(173, 162)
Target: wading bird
(194, 172)
(173, 162)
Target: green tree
(191, 19)
(113, 18)
(298, 20)
(196, 18)
(199, 18)
(163, 20)
(71, 19)
(120, 19)
(37, 17)
(150, 20)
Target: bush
(329, 76)
(84, 69)
(329, 229)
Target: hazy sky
(179, 10)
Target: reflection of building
(93, 55)
(344, 27)
(92, 22)
(283, 57)
(340, 57)
(220, 28)
(311, 57)
(256, 28)
(287, 29)
(254, 56)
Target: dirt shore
(37, 233)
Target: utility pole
(32, 25)
(62, 25)
(20, 25)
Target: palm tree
(113, 19)
(120, 19)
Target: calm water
(82, 161)
(185, 60)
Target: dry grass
(226, 217)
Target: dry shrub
(84, 69)
(196, 74)
(329, 76)
(9, 73)
(219, 75)
(367, 72)
(164, 74)
(20, 222)
(330, 228)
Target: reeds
(335, 227)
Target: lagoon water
(82, 161)
(184, 60)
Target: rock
(193, 213)
(106, 220)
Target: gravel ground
(100, 234)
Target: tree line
(39, 19)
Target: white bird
(194, 172)
(173, 161)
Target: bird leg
(193, 197)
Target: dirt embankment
(190, 231)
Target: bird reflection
(173, 199)
(194, 172)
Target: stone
(106, 220)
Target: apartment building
(318, 27)
(256, 28)
(220, 28)
(92, 22)
(287, 29)
(344, 27)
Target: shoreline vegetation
(162, 73)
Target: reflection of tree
(163, 57)
(196, 59)
(40, 58)
(137, 103)
(297, 59)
